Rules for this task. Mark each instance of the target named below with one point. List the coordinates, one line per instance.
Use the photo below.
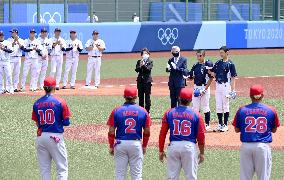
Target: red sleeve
(201, 130)
(34, 116)
(276, 120)
(65, 110)
(110, 121)
(163, 133)
(148, 120)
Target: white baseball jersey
(95, 51)
(29, 45)
(5, 56)
(57, 51)
(75, 45)
(16, 49)
(46, 45)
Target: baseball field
(87, 136)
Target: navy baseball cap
(96, 32)
(43, 30)
(32, 31)
(1, 33)
(57, 29)
(72, 31)
(14, 30)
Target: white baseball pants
(5, 68)
(222, 102)
(42, 68)
(201, 103)
(128, 152)
(15, 70)
(30, 63)
(182, 154)
(70, 64)
(255, 157)
(56, 67)
(47, 150)
(94, 64)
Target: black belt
(200, 84)
(16, 56)
(96, 56)
(221, 82)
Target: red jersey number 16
(182, 128)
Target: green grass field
(91, 161)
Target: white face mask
(145, 56)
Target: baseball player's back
(131, 124)
(256, 122)
(51, 114)
(186, 128)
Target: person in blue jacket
(177, 67)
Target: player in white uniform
(5, 66)
(15, 57)
(56, 56)
(33, 48)
(95, 47)
(43, 59)
(73, 48)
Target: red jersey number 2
(46, 117)
(130, 123)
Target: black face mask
(175, 54)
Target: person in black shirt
(144, 79)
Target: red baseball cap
(186, 93)
(130, 91)
(256, 90)
(49, 82)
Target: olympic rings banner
(161, 36)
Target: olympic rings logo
(48, 18)
(168, 35)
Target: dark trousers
(174, 94)
(144, 92)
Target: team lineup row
(37, 54)
(130, 130)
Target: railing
(80, 11)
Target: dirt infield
(226, 141)
(115, 86)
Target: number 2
(256, 125)
(130, 123)
(46, 117)
(182, 128)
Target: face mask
(175, 54)
(145, 56)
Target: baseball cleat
(57, 88)
(224, 128)
(218, 128)
(72, 87)
(22, 89)
(64, 87)
(207, 127)
(96, 87)
(87, 85)
(16, 90)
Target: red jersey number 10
(182, 128)
(46, 117)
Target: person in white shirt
(56, 56)
(135, 18)
(15, 57)
(73, 48)
(43, 59)
(95, 48)
(5, 66)
(95, 18)
(33, 48)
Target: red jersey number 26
(130, 123)
(46, 117)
